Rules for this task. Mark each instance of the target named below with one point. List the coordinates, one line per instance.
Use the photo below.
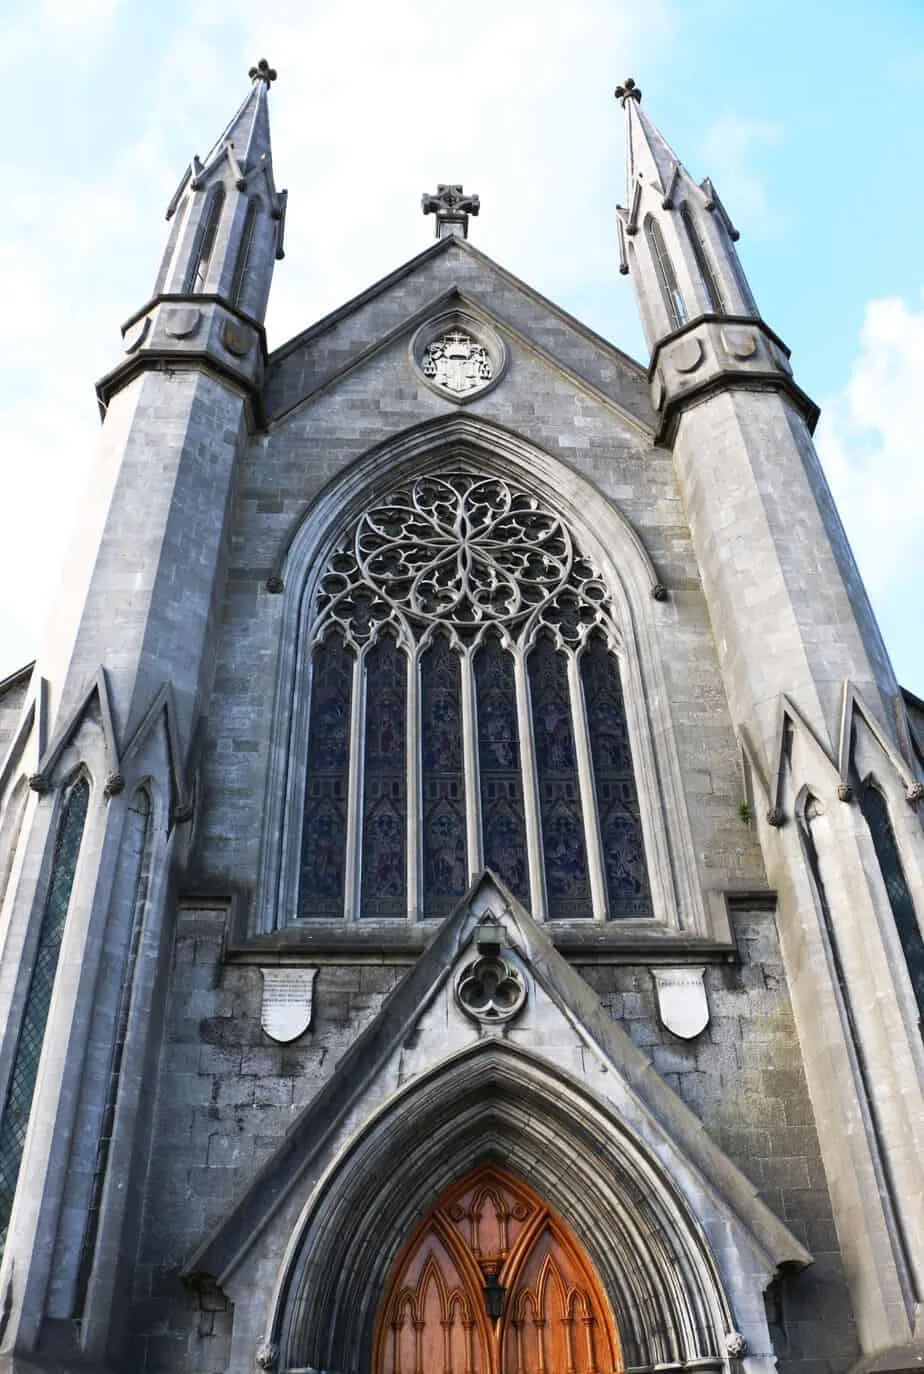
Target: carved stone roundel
(459, 356)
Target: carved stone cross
(452, 208)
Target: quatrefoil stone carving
(491, 990)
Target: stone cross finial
(452, 208)
(628, 91)
(263, 72)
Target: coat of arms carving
(457, 362)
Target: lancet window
(667, 277)
(707, 275)
(21, 1090)
(197, 277)
(466, 711)
(876, 814)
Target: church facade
(461, 863)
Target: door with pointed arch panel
(492, 1282)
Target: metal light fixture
(494, 1295)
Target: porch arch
(496, 1105)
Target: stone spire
(675, 236)
(226, 215)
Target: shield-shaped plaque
(237, 338)
(739, 343)
(682, 1002)
(288, 995)
(183, 322)
(687, 355)
(136, 334)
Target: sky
(807, 116)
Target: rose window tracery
(464, 643)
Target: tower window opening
(711, 285)
(239, 282)
(876, 815)
(667, 277)
(205, 243)
(466, 711)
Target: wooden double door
(493, 1283)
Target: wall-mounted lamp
(494, 1296)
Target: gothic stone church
(460, 848)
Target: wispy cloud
(870, 444)
(516, 100)
(732, 149)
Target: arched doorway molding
(605, 534)
(658, 1262)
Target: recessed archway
(505, 1109)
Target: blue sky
(806, 115)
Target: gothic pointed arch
(504, 557)
(599, 1228)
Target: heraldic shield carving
(459, 356)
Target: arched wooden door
(493, 1283)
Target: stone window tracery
(466, 711)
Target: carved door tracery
(492, 1231)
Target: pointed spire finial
(628, 91)
(263, 72)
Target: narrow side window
(21, 1090)
(876, 815)
(667, 277)
(707, 275)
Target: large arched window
(465, 712)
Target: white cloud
(871, 446)
(79, 15)
(514, 100)
(732, 149)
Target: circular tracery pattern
(465, 551)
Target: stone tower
(460, 868)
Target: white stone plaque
(288, 995)
(682, 1002)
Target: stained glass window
(445, 870)
(384, 851)
(21, 1089)
(875, 811)
(469, 614)
(617, 803)
(502, 819)
(563, 848)
(324, 829)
